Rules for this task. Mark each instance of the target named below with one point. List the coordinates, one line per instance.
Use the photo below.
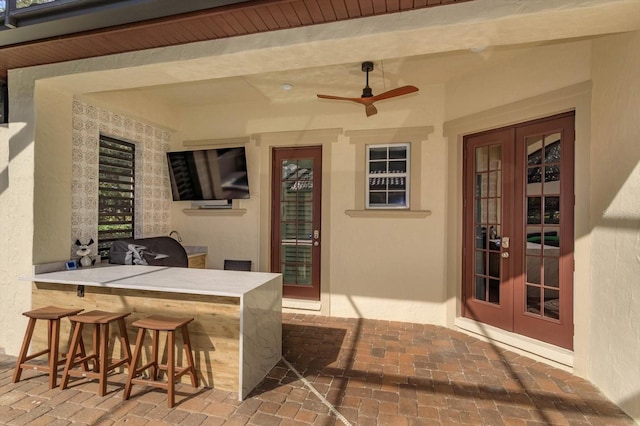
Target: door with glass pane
(295, 221)
(518, 228)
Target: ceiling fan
(367, 99)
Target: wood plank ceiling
(210, 24)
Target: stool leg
(133, 364)
(154, 354)
(124, 340)
(54, 341)
(73, 347)
(171, 352)
(190, 363)
(24, 349)
(83, 354)
(96, 346)
(104, 342)
(80, 353)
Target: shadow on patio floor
(362, 372)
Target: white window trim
(417, 136)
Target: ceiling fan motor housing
(367, 67)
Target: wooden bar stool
(53, 315)
(101, 363)
(157, 323)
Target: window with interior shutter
(116, 192)
(388, 176)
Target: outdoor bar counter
(237, 331)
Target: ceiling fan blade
(363, 101)
(339, 98)
(400, 91)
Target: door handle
(505, 254)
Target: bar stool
(101, 365)
(157, 323)
(53, 315)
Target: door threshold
(306, 305)
(544, 352)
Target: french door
(518, 228)
(295, 220)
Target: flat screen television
(208, 174)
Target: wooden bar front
(236, 332)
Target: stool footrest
(78, 361)
(110, 366)
(37, 354)
(180, 371)
(149, 382)
(145, 367)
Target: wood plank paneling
(290, 14)
(256, 20)
(366, 7)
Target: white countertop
(161, 278)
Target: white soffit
(329, 55)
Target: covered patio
(342, 371)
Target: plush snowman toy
(84, 251)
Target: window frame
(388, 174)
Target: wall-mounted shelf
(214, 212)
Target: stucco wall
(615, 215)
(16, 211)
(387, 268)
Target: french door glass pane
(482, 159)
(488, 220)
(551, 210)
(495, 184)
(543, 240)
(534, 265)
(481, 288)
(533, 299)
(481, 267)
(551, 307)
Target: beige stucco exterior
(541, 58)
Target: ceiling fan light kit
(368, 98)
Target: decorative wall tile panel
(153, 195)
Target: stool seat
(98, 317)
(156, 324)
(102, 364)
(159, 322)
(53, 315)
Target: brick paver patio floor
(341, 371)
